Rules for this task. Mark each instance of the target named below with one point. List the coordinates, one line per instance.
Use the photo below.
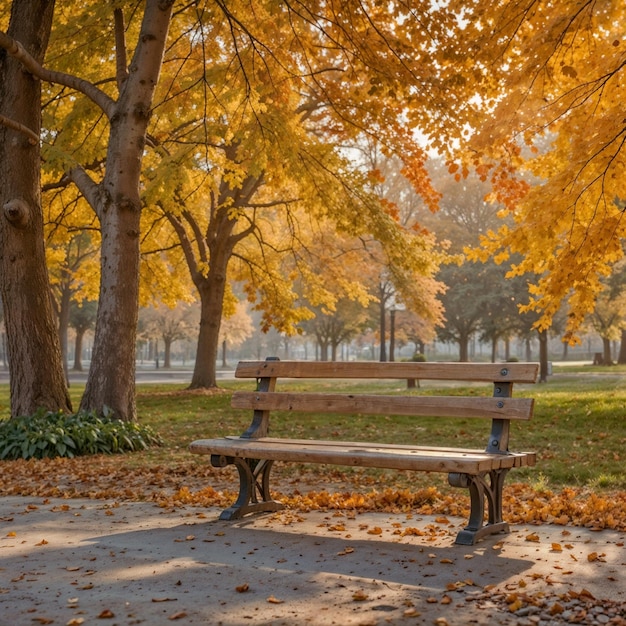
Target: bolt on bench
(482, 472)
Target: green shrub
(47, 434)
(418, 357)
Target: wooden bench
(481, 471)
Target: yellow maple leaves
(556, 133)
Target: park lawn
(578, 431)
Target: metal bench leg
(481, 489)
(254, 487)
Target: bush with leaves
(48, 434)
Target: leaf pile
(193, 484)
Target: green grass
(578, 431)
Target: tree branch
(33, 139)
(120, 48)
(87, 186)
(16, 50)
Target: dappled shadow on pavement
(65, 560)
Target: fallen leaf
(273, 600)
(377, 530)
(242, 588)
(532, 537)
(556, 609)
(556, 547)
(345, 551)
(178, 615)
(359, 596)
(164, 599)
(106, 614)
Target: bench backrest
(500, 408)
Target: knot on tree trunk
(17, 213)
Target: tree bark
(116, 201)
(212, 290)
(37, 379)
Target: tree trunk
(543, 356)
(64, 324)
(621, 359)
(464, 348)
(212, 290)
(606, 345)
(111, 380)
(167, 353)
(36, 372)
(78, 350)
(383, 330)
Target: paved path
(63, 561)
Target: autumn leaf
(106, 614)
(274, 600)
(178, 615)
(359, 596)
(242, 588)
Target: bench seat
(364, 454)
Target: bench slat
(363, 454)
(479, 372)
(439, 406)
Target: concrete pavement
(72, 562)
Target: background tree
(82, 319)
(169, 324)
(235, 329)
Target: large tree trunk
(35, 364)
(111, 380)
(211, 290)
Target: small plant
(48, 434)
(418, 357)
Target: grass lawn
(578, 431)
(579, 427)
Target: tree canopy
(221, 136)
(542, 87)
